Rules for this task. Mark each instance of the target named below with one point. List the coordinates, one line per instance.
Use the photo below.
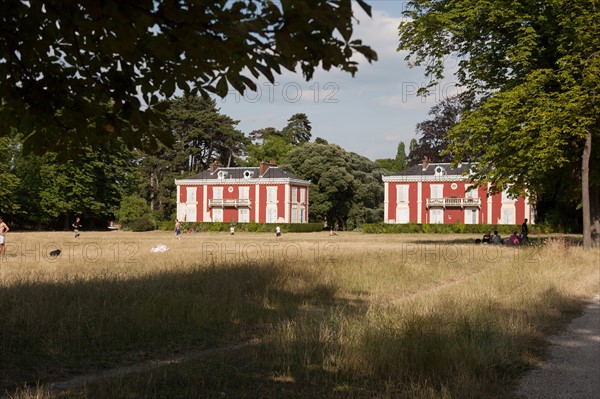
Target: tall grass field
(306, 315)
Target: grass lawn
(302, 316)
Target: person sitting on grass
(496, 239)
(514, 238)
(486, 237)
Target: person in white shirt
(3, 230)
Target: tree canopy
(346, 188)
(298, 129)
(397, 164)
(273, 144)
(200, 134)
(44, 192)
(534, 70)
(74, 74)
(8, 179)
(433, 141)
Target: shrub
(140, 224)
(459, 228)
(132, 207)
(250, 227)
(503, 229)
(165, 225)
(244, 227)
(304, 227)
(215, 226)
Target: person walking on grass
(3, 230)
(76, 226)
(524, 232)
(177, 229)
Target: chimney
(425, 163)
(266, 165)
(214, 166)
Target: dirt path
(81, 380)
(573, 368)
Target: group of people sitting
(514, 239)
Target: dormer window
(440, 171)
(248, 174)
(221, 175)
(472, 171)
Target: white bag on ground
(159, 248)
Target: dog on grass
(55, 253)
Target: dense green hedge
(378, 228)
(244, 227)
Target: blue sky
(369, 113)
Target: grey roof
(272, 172)
(417, 170)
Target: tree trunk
(152, 191)
(589, 199)
(209, 156)
(593, 191)
(342, 223)
(595, 216)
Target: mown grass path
(121, 371)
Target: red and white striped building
(265, 194)
(436, 193)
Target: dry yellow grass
(351, 315)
